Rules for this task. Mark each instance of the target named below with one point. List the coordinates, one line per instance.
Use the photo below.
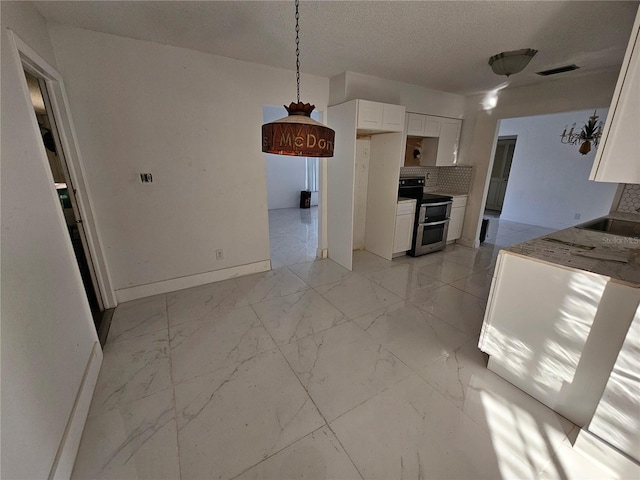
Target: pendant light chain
(298, 50)
(298, 134)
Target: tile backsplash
(429, 173)
(630, 199)
(453, 180)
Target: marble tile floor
(311, 371)
(293, 235)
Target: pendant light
(298, 134)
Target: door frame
(504, 138)
(30, 61)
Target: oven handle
(431, 224)
(435, 204)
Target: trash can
(483, 229)
(305, 199)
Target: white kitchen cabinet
(385, 153)
(616, 419)
(555, 331)
(617, 155)
(380, 117)
(440, 151)
(448, 142)
(456, 218)
(419, 125)
(403, 233)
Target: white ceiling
(440, 45)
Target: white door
(500, 173)
(67, 192)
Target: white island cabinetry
(617, 418)
(555, 331)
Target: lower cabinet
(555, 333)
(616, 419)
(405, 214)
(456, 218)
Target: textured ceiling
(440, 45)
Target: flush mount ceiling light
(298, 134)
(591, 132)
(508, 63)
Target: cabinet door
(455, 223)
(448, 142)
(416, 124)
(370, 114)
(432, 126)
(419, 125)
(393, 118)
(617, 155)
(622, 397)
(403, 233)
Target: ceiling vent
(555, 71)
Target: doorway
(502, 162)
(292, 202)
(67, 196)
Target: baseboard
(68, 449)
(465, 242)
(322, 253)
(142, 291)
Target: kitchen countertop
(405, 199)
(450, 193)
(565, 246)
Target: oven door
(434, 212)
(431, 236)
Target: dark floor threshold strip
(105, 324)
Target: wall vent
(555, 71)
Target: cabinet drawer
(459, 201)
(406, 208)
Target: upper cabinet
(419, 125)
(433, 150)
(376, 117)
(617, 156)
(448, 142)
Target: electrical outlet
(219, 254)
(577, 216)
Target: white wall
(47, 330)
(350, 86)
(191, 119)
(549, 181)
(480, 126)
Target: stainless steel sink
(613, 226)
